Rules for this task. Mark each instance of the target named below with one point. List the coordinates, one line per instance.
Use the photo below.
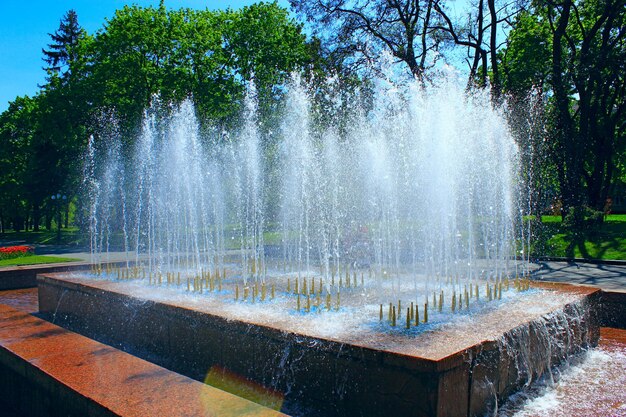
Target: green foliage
(267, 45)
(41, 138)
(62, 50)
(573, 53)
(144, 52)
(526, 59)
(18, 125)
(582, 219)
(125, 64)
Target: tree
(266, 45)
(416, 32)
(122, 66)
(58, 146)
(203, 66)
(206, 55)
(480, 36)
(39, 157)
(578, 48)
(140, 54)
(63, 112)
(525, 60)
(62, 50)
(357, 32)
(17, 128)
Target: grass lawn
(36, 260)
(605, 242)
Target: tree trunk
(36, 216)
(570, 172)
(493, 46)
(18, 223)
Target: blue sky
(24, 28)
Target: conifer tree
(64, 40)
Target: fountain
(351, 267)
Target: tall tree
(63, 111)
(579, 49)
(142, 52)
(356, 32)
(18, 125)
(481, 34)
(125, 63)
(266, 46)
(62, 50)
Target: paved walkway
(608, 277)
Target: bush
(582, 218)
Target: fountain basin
(463, 368)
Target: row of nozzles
(493, 291)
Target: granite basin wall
(612, 309)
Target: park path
(605, 276)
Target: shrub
(582, 218)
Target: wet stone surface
(24, 299)
(47, 370)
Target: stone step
(46, 370)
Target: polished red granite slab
(48, 370)
(25, 299)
